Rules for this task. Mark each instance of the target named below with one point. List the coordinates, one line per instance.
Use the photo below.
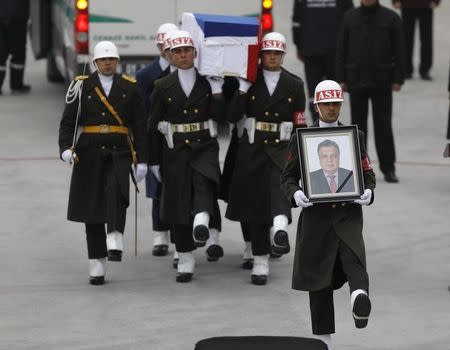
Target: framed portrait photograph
(330, 163)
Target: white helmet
(163, 30)
(179, 39)
(105, 49)
(328, 91)
(273, 41)
(167, 38)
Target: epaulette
(81, 77)
(127, 77)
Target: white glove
(68, 156)
(140, 171)
(301, 200)
(244, 84)
(156, 171)
(365, 197)
(215, 83)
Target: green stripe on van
(70, 13)
(107, 19)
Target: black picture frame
(339, 145)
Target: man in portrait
(330, 178)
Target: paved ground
(47, 303)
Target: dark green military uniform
(249, 198)
(101, 174)
(193, 151)
(322, 227)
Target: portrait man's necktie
(333, 186)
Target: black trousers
(259, 235)
(204, 198)
(321, 301)
(425, 17)
(246, 233)
(96, 241)
(13, 42)
(382, 121)
(318, 68)
(158, 224)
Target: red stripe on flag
(252, 63)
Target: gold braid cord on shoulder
(119, 120)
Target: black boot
(16, 81)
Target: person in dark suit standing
(107, 109)
(315, 25)
(13, 38)
(273, 106)
(422, 11)
(330, 178)
(329, 247)
(370, 66)
(146, 78)
(184, 153)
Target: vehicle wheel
(53, 74)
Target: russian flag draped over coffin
(226, 45)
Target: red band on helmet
(366, 164)
(328, 95)
(160, 37)
(298, 118)
(273, 44)
(183, 41)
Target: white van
(66, 31)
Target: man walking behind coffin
(182, 133)
(273, 106)
(108, 109)
(146, 81)
(330, 247)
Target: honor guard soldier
(102, 133)
(146, 81)
(13, 38)
(330, 247)
(184, 112)
(273, 106)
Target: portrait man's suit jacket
(319, 183)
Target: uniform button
(169, 99)
(185, 111)
(333, 205)
(207, 95)
(266, 142)
(114, 147)
(267, 113)
(103, 147)
(276, 114)
(198, 140)
(289, 99)
(343, 204)
(187, 141)
(124, 95)
(195, 111)
(253, 98)
(103, 114)
(277, 141)
(89, 96)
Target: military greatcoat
(87, 199)
(192, 150)
(250, 194)
(322, 226)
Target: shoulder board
(81, 77)
(127, 77)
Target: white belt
(190, 127)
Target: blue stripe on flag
(216, 25)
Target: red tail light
(266, 16)
(81, 26)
